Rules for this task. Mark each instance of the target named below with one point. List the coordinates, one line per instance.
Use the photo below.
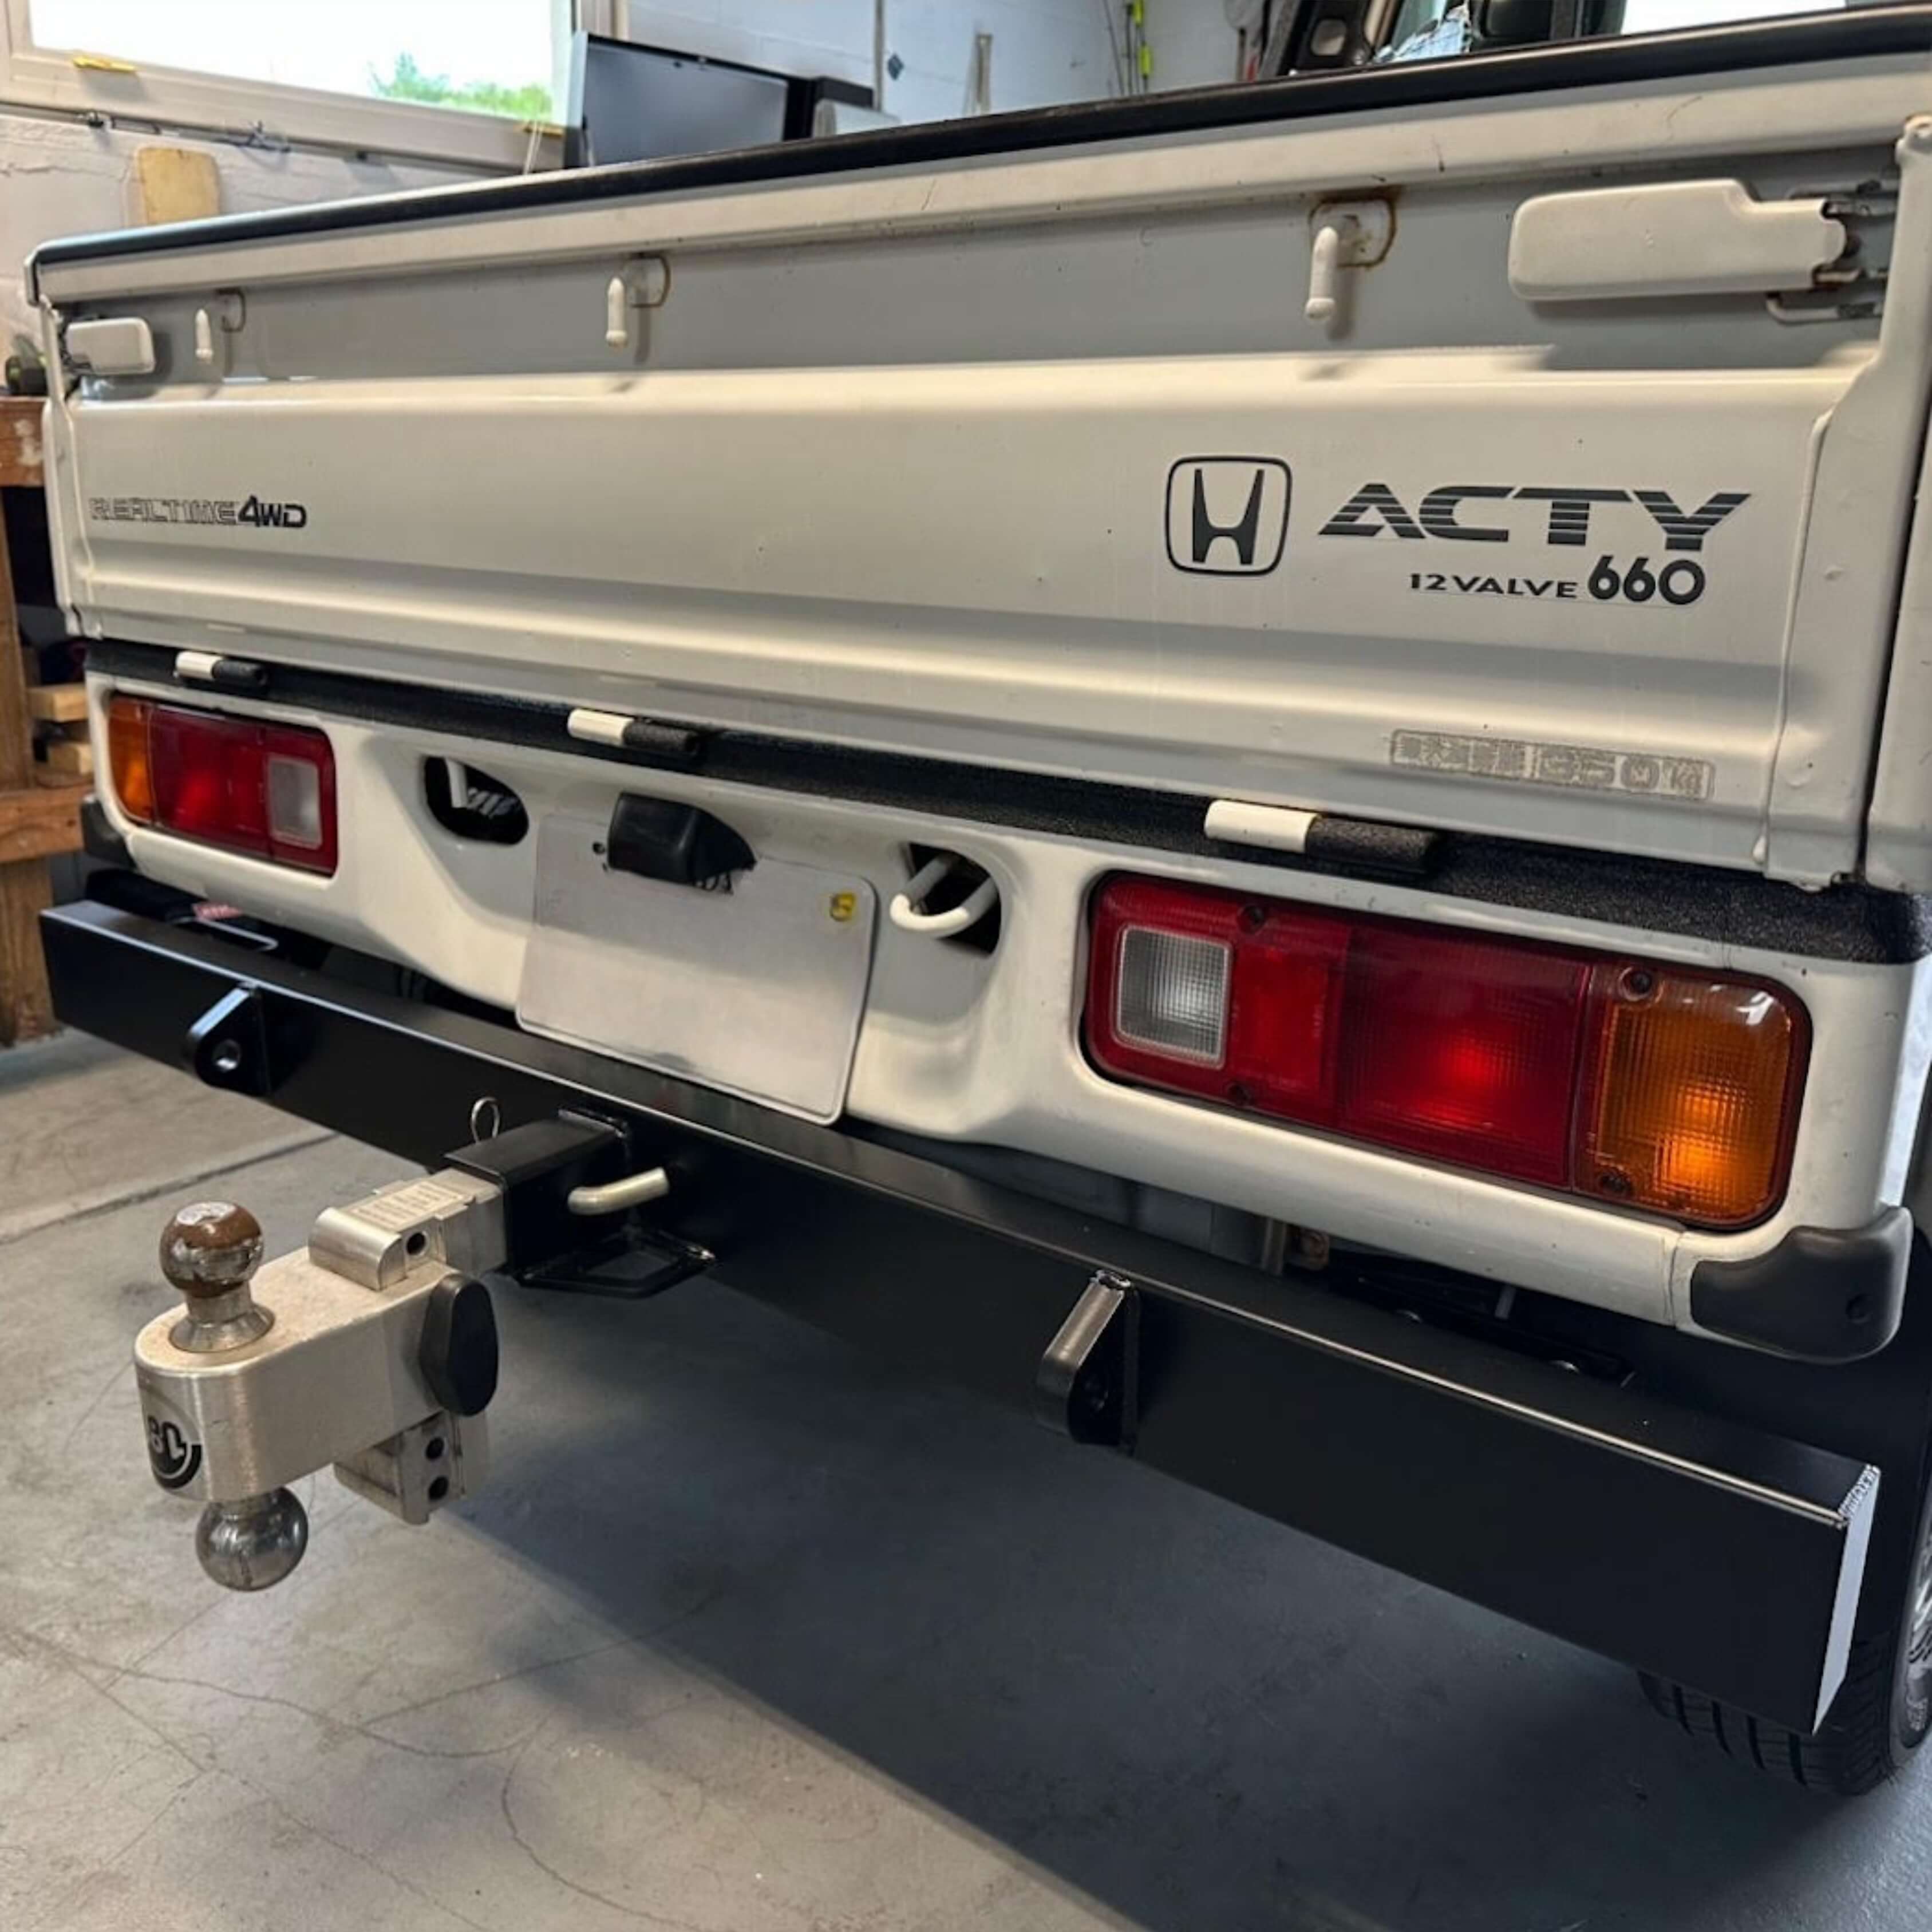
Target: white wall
(1193, 45)
(1044, 51)
(60, 178)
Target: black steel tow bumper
(1708, 1548)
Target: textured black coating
(1361, 845)
(677, 747)
(1845, 922)
(1588, 1508)
(537, 1165)
(240, 675)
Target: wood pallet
(37, 819)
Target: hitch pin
(614, 1197)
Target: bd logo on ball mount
(1227, 516)
(174, 1458)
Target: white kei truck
(1252, 767)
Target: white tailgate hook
(222, 317)
(1348, 234)
(642, 283)
(1324, 260)
(903, 910)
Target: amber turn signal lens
(128, 757)
(1687, 1108)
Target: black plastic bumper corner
(1822, 1294)
(1706, 1549)
(98, 837)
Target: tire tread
(1851, 1753)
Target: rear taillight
(1651, 1086)
(266, 790)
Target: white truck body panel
(967, 1048)
(955, 461)
(1028, 633)
(898, 476)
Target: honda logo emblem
(1227, 516)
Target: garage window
(468, 84)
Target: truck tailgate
(1037, 461)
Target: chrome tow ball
(373, 1348)
(209, 1252)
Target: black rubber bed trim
(1686, 54)
(1846, 922)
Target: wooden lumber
(58, 704)
(26, 1007)
(72, 758)
(38, 821)
(20, 465)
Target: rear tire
(1879, 1719)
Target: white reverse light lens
(294, 801)
(1171, 995)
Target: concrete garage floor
(745, 1634)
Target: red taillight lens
(1463, 1049)
(266, 790)
(207, 778)
(1627, 1081)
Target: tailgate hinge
(1852, 287)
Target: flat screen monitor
(637, 103)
